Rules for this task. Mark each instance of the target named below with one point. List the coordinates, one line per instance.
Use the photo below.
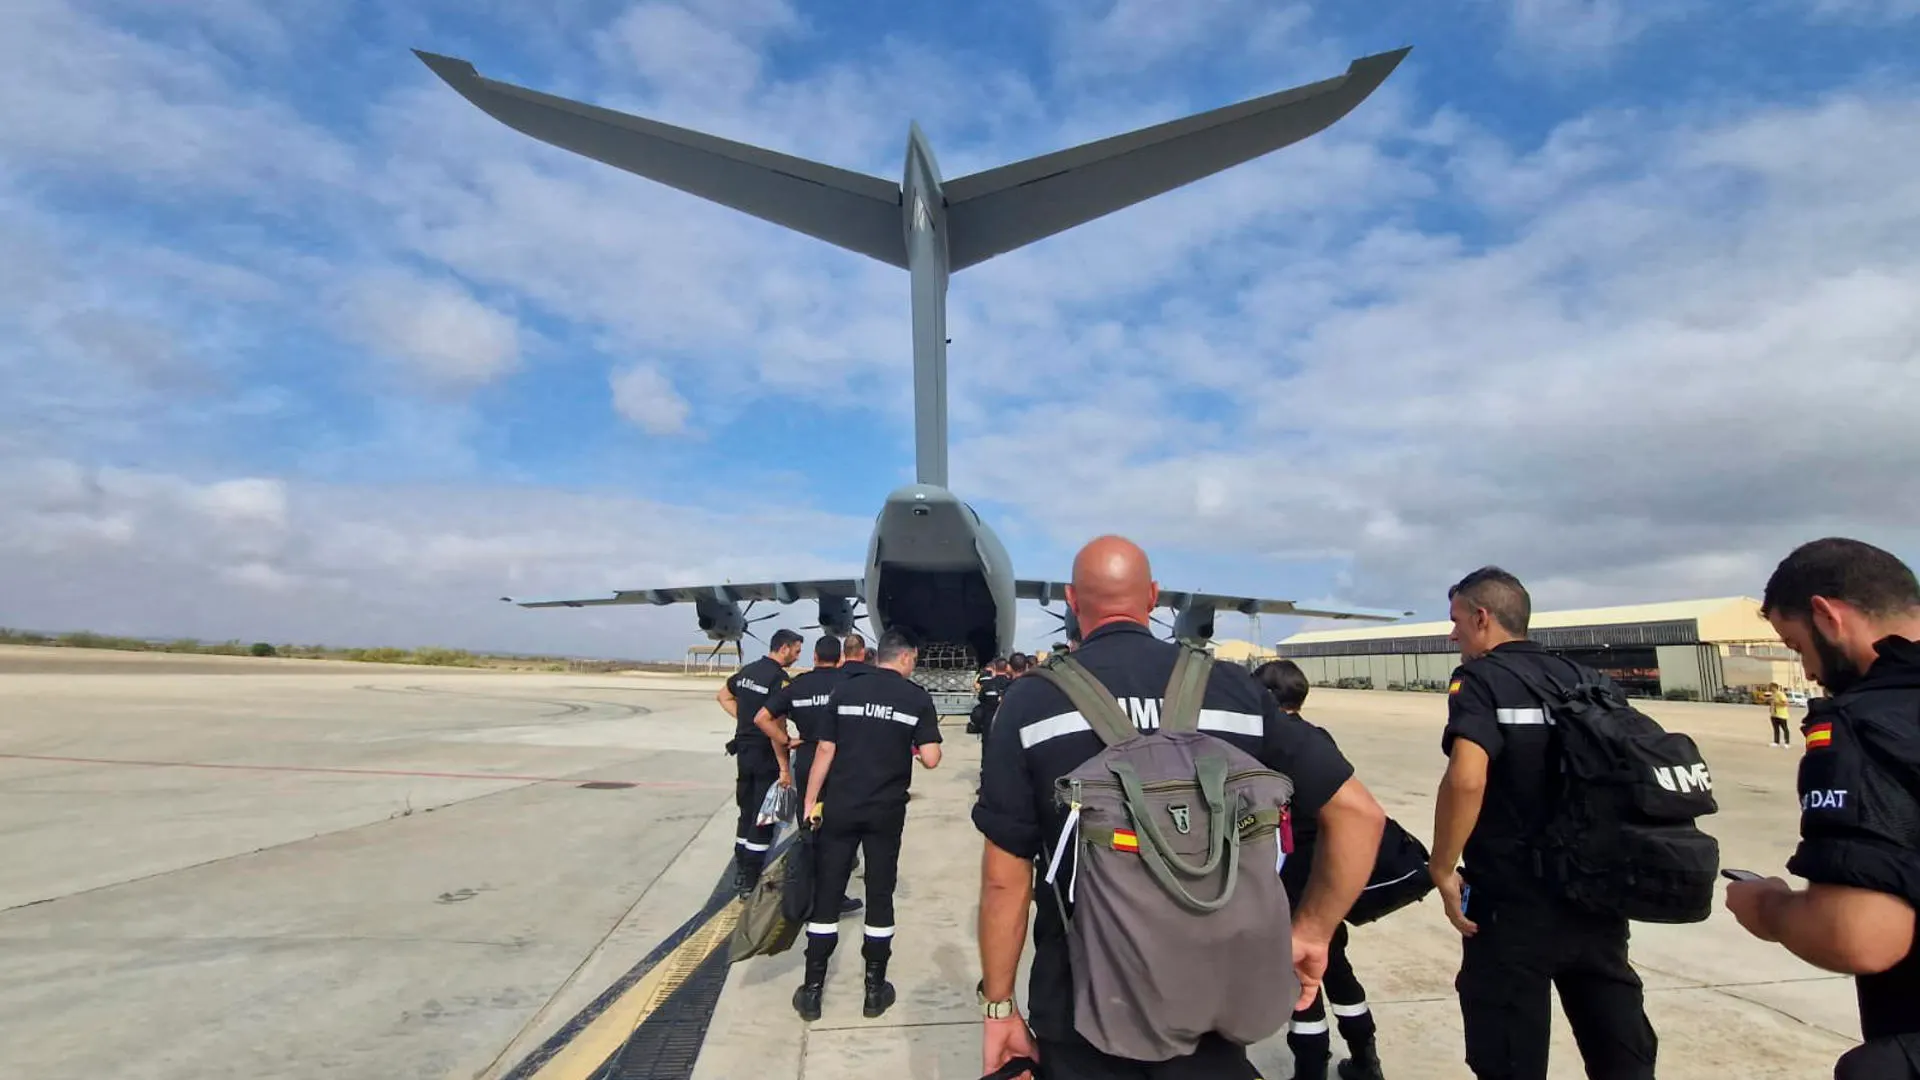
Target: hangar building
(1699, 649)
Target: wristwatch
(992, 1010)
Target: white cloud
(261, 576)
(245, 502)
(435, 327)
(110, 104)
(1670, 375)
(1098, 39)
(1870, 12)
(1579, 33)
(127, 551)
(647, 398)
(702, 51)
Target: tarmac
(231, 867)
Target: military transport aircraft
(933, 567)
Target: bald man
(853, 657)
(1038, 736)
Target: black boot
(880, 994)
(1307, 1067)
(806, 999)
(1363, 1065)
(746, 871)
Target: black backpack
(1621, 839)
(1399, 876)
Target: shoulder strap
(1098, 707)
(1539, 683)
(1186, 689)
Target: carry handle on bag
(1163, 862)
(1015, 1067)
(1180, 711)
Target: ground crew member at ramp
(755, 768)
(1852, 612)
(1038, 737)
(876, 726)
(1516, 938)
(1778, 715)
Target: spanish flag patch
(1819, 735)
(1125, 840)
(1453, 687)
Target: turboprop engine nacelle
(720, 620)
(836, 615)
(1193, 624)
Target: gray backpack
(1180, 924)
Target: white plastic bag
(779, 807)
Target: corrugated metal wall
(1392, 670)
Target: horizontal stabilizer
(848, 209)
(784, 592)
(995, 211)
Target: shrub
(378, 656)
(444, 657)
(261, 648)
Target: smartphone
(1741, 875)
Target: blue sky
(296, 344)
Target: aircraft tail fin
(848, 209)
(993, 212)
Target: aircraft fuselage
(937, 571)
(934, 568)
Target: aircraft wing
(848, 209)
(995, 211)
(1048, 591)
(785, 592)
(1253, 605)
(1044, 591)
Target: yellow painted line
(610, 1030)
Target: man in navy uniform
(1038, 737)
(1518, 940)
(805, 702)
(876, 726)
(1852, 612)
(755, 768)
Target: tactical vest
(1860, 813)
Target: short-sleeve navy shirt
(752, 686)
(874, 721)
(804, 700)
(1490, 708)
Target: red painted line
(423, 773)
